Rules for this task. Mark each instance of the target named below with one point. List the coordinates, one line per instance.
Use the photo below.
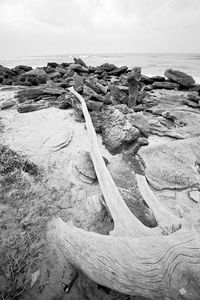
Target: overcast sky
(49, 27)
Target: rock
(24, 108)
(80, 62)
(133, 78)
(171, 165)
(7, 81)
(139, 121)
(91, 83)
(117, 130)
(193, 96)
(180, 77)
(52, 64)
(22, 68)
(190, 103)
(1, 79)
(61, 70)
(118, 71)
(94, 105)
(158, 78)
(54, 75)
(90, 94)
(118, 95)
(78, 81)
(7, 104)
(6, 73)
(37, 93)
(146, 80)
(69, 74)
(166, 85)
(103, 89)
(85, 167)
(133, 149)
(78, 68)
(37, 76)
(194, 196)
(106, 67)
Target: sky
(51, 27)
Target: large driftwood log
(135, 260)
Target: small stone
(194, 196)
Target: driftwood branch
(136, 260)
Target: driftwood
(134, 259)
(133, 80)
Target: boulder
(52, 64)
(172, 165)
(37, 76)
(80, 62)
(54, 75)
(118, 95)
(115, 125)
(180, 77)
(158, 78)
(106, 67)
(22, 68)
(6, 73)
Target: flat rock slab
(172, 165)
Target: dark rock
(52, 64)
(22, 68)
(133, 79)
(6, 73)
(38, 76)
(193, 96)
(166, 85)
(24, 108)
(91, 69)
(118, 94)
(61, 70)
(106, 67)
(80, 62)
(158, 78)
(65, 65)
(1, 79)
(133, 149)
(196, 88)
(180, 77)
(118, 71)
(146, 80)
(64, 101)
(94, 105)
(91, 83)
(7, 81)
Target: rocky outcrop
(180, 77)
(119, 126)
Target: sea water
(151, 63)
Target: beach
(100, 173)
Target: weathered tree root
(135, 260)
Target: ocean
(151, 63)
